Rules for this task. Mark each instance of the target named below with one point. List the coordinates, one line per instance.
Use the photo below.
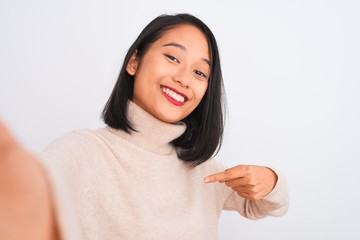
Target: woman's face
(172, 77)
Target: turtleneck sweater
(109, 184)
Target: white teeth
(173, 94)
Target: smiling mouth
(174, 95)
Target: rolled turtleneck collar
(151, 133)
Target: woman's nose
(182, 77)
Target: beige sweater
(112, 185)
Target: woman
(150, 173)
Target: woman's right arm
(26, 206)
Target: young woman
(150, 174)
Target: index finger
(229, 174)
(217, 177)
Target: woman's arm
(257, 191)
(26, 210)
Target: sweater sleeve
(275, 204)
(71, 175)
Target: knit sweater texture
(108, 184)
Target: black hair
(205, 125)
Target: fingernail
(207, 180)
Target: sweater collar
(151, 133)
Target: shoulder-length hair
(205, 125)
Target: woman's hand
(249, 181)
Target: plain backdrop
(291, 72)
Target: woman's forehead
(185, 36)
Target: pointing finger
(228, 174)
(218, 177)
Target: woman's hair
(203, 136)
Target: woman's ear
(132, 65)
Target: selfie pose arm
(25, 198)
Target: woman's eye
(200, 74)
(172, 58)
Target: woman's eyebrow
(173, 44)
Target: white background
(291, 72)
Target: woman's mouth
(174, 96)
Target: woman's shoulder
(75, 154)
(73, 147)
(74, 140)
